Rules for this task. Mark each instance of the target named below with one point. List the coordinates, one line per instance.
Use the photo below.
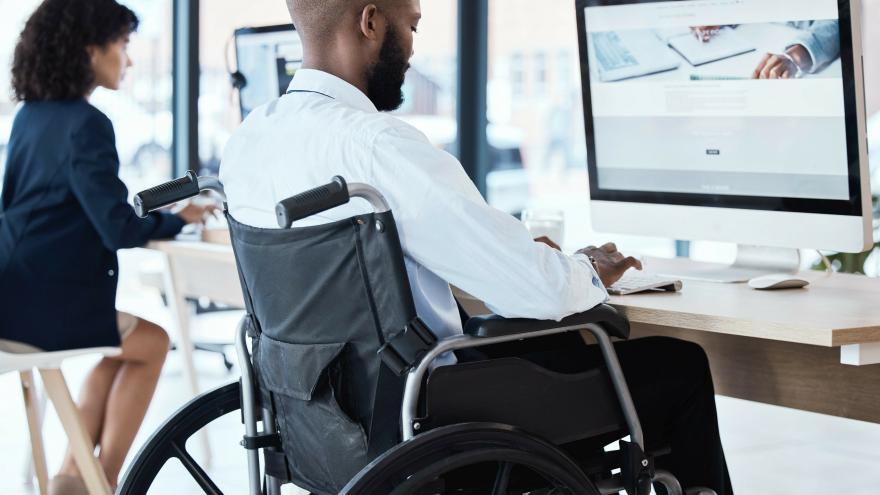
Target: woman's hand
(193, 213)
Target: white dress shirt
(325, 126)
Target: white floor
(770, 450)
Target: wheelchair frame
(252, 413)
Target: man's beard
(385, 77)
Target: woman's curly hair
(51, 61)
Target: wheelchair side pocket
(324, 446)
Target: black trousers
(671, 386)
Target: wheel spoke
(502, 479)
(196, 471)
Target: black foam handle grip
(310, 202)
(166, 194)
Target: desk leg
(185, 347)
(860, 354)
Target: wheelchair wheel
(169, 441)
(472, 458)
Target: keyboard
(633, 282)
(611, 51)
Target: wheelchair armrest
(495, 326)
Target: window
(11, 23)
(517, 74)
(429, 88)
(140, 110)
(536, 135)
(540, 70)
(219, 113)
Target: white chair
(49, 366)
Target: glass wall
(219, 113)
(429, 89)
(140, 110)
(536, 126)
(15, 13)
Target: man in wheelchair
(330, 123)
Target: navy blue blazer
(63, 214)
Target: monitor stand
(750, 262)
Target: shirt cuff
(595, 280)
(806, 44)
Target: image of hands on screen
(816, 44)
(766, 50)
(719, 97)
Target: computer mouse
(778, 281)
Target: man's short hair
(318, 19)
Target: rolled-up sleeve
(447, 226)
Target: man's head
(366, 42)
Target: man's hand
(546, 240)
(705, 33)
(785, 66)
(610, 263)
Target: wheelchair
(339, 392)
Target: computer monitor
(267, 57)
(683, 142)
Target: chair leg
(32, 406)
(28, 472)
(80, 444)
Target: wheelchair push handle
(313, 201)
(166, 194)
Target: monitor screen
(730, 103)
(267, 57)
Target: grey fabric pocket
(325, 448)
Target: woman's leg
(115, 396)
(143, 354)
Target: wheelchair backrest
(333, 327)
(323, 300)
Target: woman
(63, 215)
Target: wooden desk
(194, 270)
(779, 347)
(197, 269)
(776, 347)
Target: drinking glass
(545, 222)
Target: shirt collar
(318, 81)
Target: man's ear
(372, 22)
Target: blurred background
(536, 159)
(537, 155)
